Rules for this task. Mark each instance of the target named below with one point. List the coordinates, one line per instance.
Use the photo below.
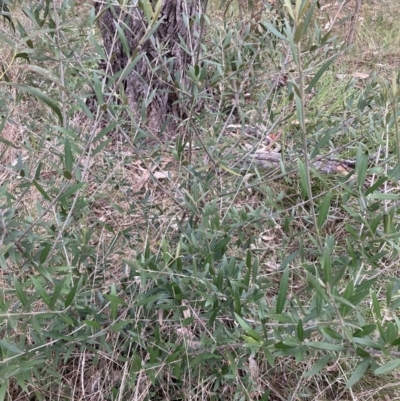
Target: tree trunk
(158, 83)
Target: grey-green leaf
(318, 75)
(358, 373)
(68, 158)
(282, 294)
(325, 346)
(39, 95)
(318, 366)
(388, 367)
(324, 209)
(10, 347)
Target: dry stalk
(353, 22)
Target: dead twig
(353, 22)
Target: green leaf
(343, 301)
(236, 301)
(44, 253)
(388, 367)
(358, 373)
(361, 167)
(115, 301)
(289, 8)
(318, 366)
(391, 332)
(45, 73)
(318, 75)
(41, 291)
(5, 141)
(57, 291)
(4, 390)
(367, 343)
(308, 17)
(145, 5)
(303, 180)
(68, 158)
(315, 283)
(92, 323)
(273, 30)
(282, 293)
(71, 190)
(101, 146)
(98, 89)
(300, 330)
(383, 196)
(326, 261)
(84, 107)
(41, 190)
(375, 306)
(376, 185)
(10, 347)
(4, 249)
(246, 278)
(325, 346)
(232, 363)
(244, 325)
(252, 342)
(20, 292)
(361, 352)
(71, 295)
(67, 174)
(324, 141)
(45, 273)
(6, 14)
(358, 297)
(324, 209)
(299, 32)
(331, 333)
(347, 294)
(122, 38)
(289, 259)
(39, 95)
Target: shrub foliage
(182, 270)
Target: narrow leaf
(318, 366)
(324, 209)
(271, 28)
(39, 95)
(358, 373)
(325, 346)
(282, 293)
(244, 325)
(10, 347)
(388, 367)
(68, 158)
(303, 180)
(318, 75)
(300, 330)
(361, 166)
(41, 190)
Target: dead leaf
(189, 337)
(267, 238)
(360, 75)
(296, 122)
(161, 175)
(186, 313)
(333, 368)
(141, 181)
(253, 368)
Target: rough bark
(162, 68)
